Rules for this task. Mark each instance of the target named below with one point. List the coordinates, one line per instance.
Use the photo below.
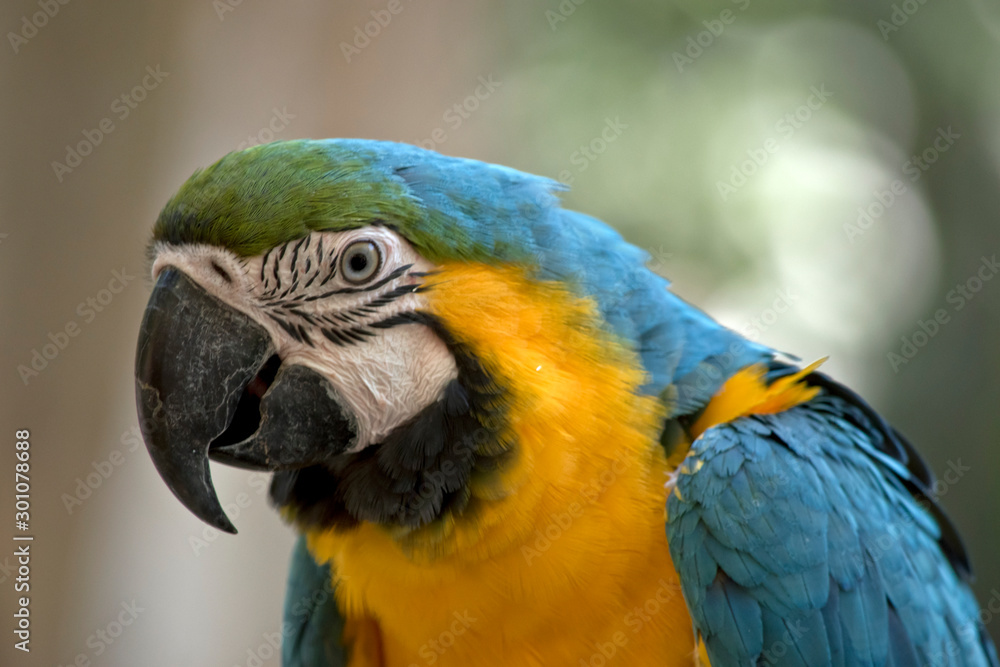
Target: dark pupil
(358, 263)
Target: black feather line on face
(286, 326)
(354, 332)
(358, 290)
(263, 265)
(305, 336)
(333, 272)
(304, 315)
(312, 277)
(334, 337)
(421, 471)
(274, 270)
(295, 258)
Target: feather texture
(798, 542)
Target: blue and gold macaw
(504, 441)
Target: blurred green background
(820, 176)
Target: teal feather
(840, 546)
(312, 627)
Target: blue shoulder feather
(800, 539)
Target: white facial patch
(322, 310)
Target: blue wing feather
(313, 626)
(800, 539)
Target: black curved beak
(208, 383)
(194, 358)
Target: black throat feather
(421, 471)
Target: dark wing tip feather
(825, 479)
(921, 481)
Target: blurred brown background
(762, 152)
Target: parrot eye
(361, 260)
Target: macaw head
(360, 317)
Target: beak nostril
(222, 272)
